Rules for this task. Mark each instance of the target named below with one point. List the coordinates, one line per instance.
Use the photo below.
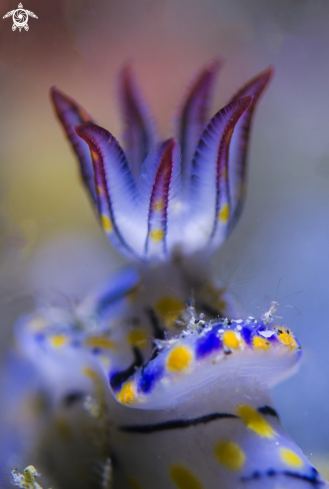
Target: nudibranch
(154, 381)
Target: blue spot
(208, 343)
(152, 372)
(247, 333)
(39, 337)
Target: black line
(120, 378)
(268, 410)
(209, 310)
(73, 398)
(175, 423)
(158, 332)
(312, 479)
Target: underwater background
(52, 248)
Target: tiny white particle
(266, 334)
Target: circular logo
(20, 18)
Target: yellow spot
(184, 478)
(100, 190)
(158, 205)
(100, 342)
(224, 174)
(228, 135)
(58, 340)
(224, 213)
(231, 340)
(132, 482)
(254, 421)
(180, 358)
(287, 339)
(90, 373)
(157, 235)
(37, 324)
(105, 361)
(137, 337)
(260, 343)
(106, 223)
(229, 454)
(168, 309)
(94, 155)
(127, 395)
(83, 114)
(291, 458)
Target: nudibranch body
(153, 381)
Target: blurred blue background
(51, 245)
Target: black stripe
(158, 331)
(72, 398)
(268, 410)
(209, 310)
(313, 478)
(175, 423)
(120, 378)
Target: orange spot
(90, 373)
(224, 213)
(231, 340)
(291, 458)
(157, 235)
(168, 309)
(100, 342)
(127, 395)
(94, 155)
(83, 114)
(287, 339)
(254, 421)
(137, 337)
(184, 478)
(229, 454)
(179, 359)
(100, 190)
(260, 343)
(58, 340)
(106, 223)
(158, 205)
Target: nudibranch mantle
(155, 380)
(164, 372)
(202, 357)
